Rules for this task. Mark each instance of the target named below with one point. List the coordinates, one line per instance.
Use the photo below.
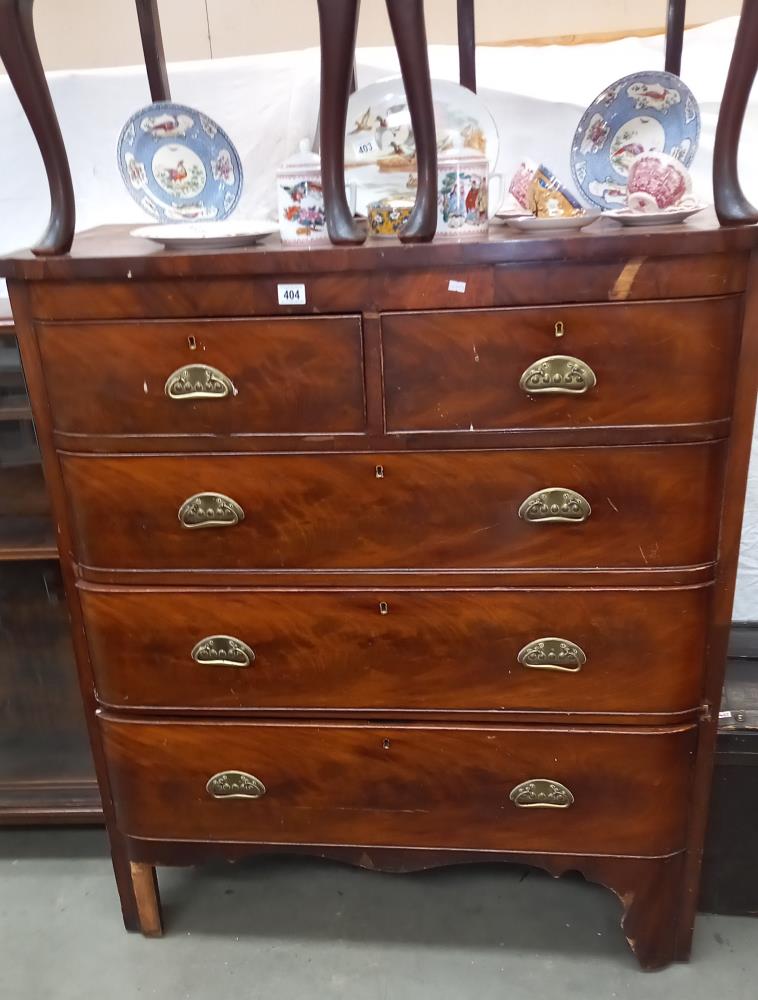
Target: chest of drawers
(434, 566)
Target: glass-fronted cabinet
(46, 772)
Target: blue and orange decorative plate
(644, 111)
(178, 164)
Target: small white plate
(216, 235)
(629, 218)
(532, 224)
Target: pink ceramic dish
(657, 182)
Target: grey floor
(300, 929)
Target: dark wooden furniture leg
(409, 32)
(338, 23)
(651, 892)
(675, 35)
(731, 204)
(152, 47)
(467, 44)
(20, 55)
(145, 885)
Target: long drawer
(585, 791)
(561, 366)
(590, 651)
(641, 507)
(206, 377)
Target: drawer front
(403, 785)
(563, 366)
(650, 506)
(247, 376)
(622, 651)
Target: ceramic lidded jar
(463, 190)
(300, 197)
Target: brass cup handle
(558, 373)
(555, 503)
(210, 510)
(235, 785)
(199, 382)
(222, 651)
(553, 653)
(541, 793)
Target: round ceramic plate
(380, 152)
(640, 112)
(178, 164)
(191, 235)
(628, 218)
(531, 224)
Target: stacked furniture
(431, 562)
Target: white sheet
(268, 102)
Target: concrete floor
(300, 929)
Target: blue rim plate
(178, 164)
(640, 112)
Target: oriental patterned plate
(178, 164)
(641, 112)
(380, 149)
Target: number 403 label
(291, 295)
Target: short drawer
(586, 791)
(588, 651)
(642, 507)
(205, 377)
(561, 366)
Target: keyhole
(192, 343)
(380, 472)
(559, 331)
(386, 744)
(384, 608)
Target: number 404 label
(291, 295)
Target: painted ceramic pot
(464, 201)
(387, 217)
(547, 198)
(522, 178)
(300, 198)
(657, 182)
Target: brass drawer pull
(198, 382)
(235, 785)
(541, 793)
(210, 510)
(551, 653)
(555, 503)
(222, 651)
(558, 373)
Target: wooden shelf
(23, 538)
(15, 407)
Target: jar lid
(455, 148)
(304, 157)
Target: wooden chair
(19, 52)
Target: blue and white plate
(178, 164)
(644, 111)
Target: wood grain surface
(383, 785)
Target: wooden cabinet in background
(46, 771)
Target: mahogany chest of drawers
(433, 564)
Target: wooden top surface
(111, 252)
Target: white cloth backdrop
(267, 103)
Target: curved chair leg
(18, 50)
(731, 204)
(409, 32)
(152, 48)
(338, 21)
(675, 35)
